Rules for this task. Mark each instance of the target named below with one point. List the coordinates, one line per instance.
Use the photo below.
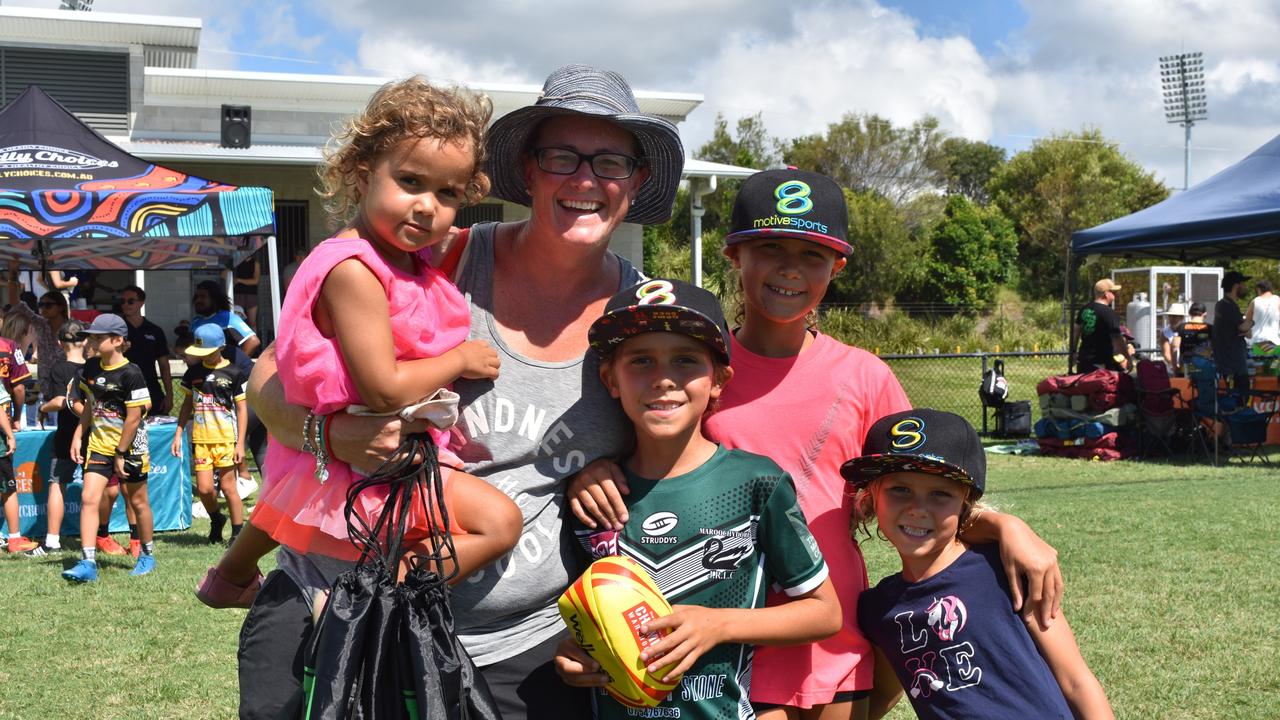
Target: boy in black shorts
(216, 401)
(116, 401)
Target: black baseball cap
(1232, 277)
(921, 440)
(661, 306)
(791, 203)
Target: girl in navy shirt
(945, 625)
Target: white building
(133, 78)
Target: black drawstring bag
(385, 650)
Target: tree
(753, 148)
(968, 166)
(867, 153)
(667, 246)
(974, 250)
(1062, 184)
(886, 258)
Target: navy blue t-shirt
(957, 646)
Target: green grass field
(1170, 583)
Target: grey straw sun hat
(585, 90)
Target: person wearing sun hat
(584, 159)
(578, 92)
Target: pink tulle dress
(428, 317)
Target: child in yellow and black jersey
(215, 400)
(117, 399)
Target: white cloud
(846, 59)
(1074, 64)
(1094, 63)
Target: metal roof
(63, 27)
(345, 93)
(161, 152)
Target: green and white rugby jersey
(717, 537)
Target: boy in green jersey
(715, 528)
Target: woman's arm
(1024, 554)
(355, 305)
(60, 281)
(695, 630)
(1081, 688)
(364, 442)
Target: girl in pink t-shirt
(806, 401)
(368, 321)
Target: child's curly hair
(410, 108)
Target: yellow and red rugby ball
(604, 610)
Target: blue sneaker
(84, 571)
(145, 564)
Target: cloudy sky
(1003, 71)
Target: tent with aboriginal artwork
(71, 200)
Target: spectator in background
(15, 334)
(1097, 328)
(286, 276)
(56, 377)
(147, 348)
(53, 308)
(1264, 313)
(64, 283)
(1174, 317)
(210, 304)
(1193, 339)
(245, 289)
(1230, 328)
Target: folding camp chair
(1209, 404)
(1157, 419)
(1247, 427)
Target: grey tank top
(526, 433)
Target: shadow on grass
(189, 539)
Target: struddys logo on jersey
(48, 157)
(657, 526)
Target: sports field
(1171, 589)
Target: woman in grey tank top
(585, 160)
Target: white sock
(53, 542)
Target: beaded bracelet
(328, 437)
(313, 442)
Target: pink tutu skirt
(307, 516)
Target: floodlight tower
(1182, 80)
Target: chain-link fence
(950, 381)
